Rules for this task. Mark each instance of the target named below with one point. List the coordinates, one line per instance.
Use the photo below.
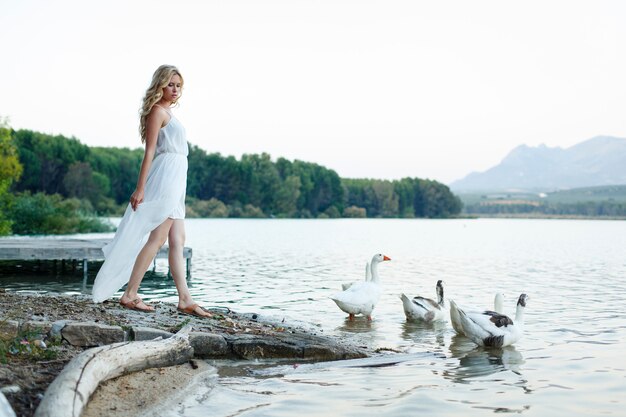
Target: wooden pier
(85, 250)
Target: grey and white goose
(490, 328)
(498, 307)
(425, 309)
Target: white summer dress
(164, 198)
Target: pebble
(10, 389)
(40, 343)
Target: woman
(157, 206)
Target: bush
(355, 212)
(50, 214)
(207, 208)
(253, 212)
(305, 214)
(332, 212)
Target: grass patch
(176, 328)
(27, 345)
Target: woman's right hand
(136, 198)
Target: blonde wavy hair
(160, 79)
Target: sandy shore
(146, 393)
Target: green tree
(408, 197)
(214, 176)
(79, 182)
(386, 199)
(46, 160)
(287, 196)
(115, 171)
(10, 171)
(438, 201)
(260, 180)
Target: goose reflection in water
(357, 325)
(479, 361)
(424, 334)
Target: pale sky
(369, 88)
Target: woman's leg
(176, 241)
(147, 254)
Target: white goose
(368, 277)
(492, 329)
(361, 297)
(498, 303)
(425, 309)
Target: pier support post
(84, 273)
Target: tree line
(102, 179)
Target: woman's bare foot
(193, 309)
(136, 304)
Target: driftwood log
(5, 408)
(70, 391)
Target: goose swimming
(498, 303)
(426, 309)
(490, 328)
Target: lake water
(571, 361)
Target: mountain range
(595, 162)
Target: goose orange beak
(386, 258)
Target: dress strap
(168, 111)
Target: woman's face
(172, 90)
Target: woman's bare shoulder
(158, 115)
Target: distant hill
(607, 201)
(607, 193)
(598, 161)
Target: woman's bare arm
(156, 119)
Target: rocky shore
(40, 334)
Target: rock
(208, 345)
(329, 353)
(57, 326)
(263, 348)
(9, 328)
(293, 346)
(92, 334)
(42, 327)
(148, 333)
